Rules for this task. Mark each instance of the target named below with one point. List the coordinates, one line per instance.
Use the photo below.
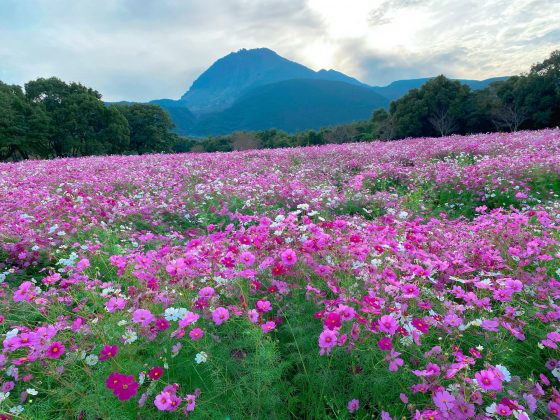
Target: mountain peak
(235, 74)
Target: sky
(146, 49)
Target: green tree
(149, 126)
(79, 122)
(23, 126)
(439, 107)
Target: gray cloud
(145, 49)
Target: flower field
(411, 279)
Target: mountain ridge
(232, 87)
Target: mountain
(233, 75)
(294, 105)
(400, 88)
(237, 73)
(258, 89)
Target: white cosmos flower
(201, 357)
(92, 360)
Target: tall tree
(149, 126)
(80, 123)
(23, 126)
(439, 106)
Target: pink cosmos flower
(488, 381)
(143, 317)
(420, 325)
(82, 265)
(353, 405)
(410, 291)
(176, 267)
(327, 340)
(490, 325)
(554, 408)
(503, 410)
(175, 402)
(444, 401)
(163, 401)
(395, 362)
(188, 319)
(346, 312)
(268, 326)
(431, 370)
(55, 350)
(288, 257)
(263, 306)
(191, 402)
(196, 334)
(114, 304)
(388, 324)
(253, 316)
(8, 386)
(220, 315)
(247, 258)
(453, 320)
(108, 352)
(26, 291)
(206, 292)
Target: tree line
(51, 118)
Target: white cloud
(144, 49)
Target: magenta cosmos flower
(332, 321)
(388, 324)
(410, 291)
(288, 257)
(162, 324)
(155, 373)
(196, 334)
(220, 315)
(268, 326)
(263, 306)
(55, 350)
(108, 352)
(385, 344)
(124, 387)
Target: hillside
(294, 105)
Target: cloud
(145, 49)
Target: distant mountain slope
(294, 105)
(232, 76)
(399, 88)
(236, 73)
(258, 89)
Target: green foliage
(79, 122)
(149, 127)
(23, 125)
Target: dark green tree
(439, 107)
(23, 126)
(79, 122)
(149, 126)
